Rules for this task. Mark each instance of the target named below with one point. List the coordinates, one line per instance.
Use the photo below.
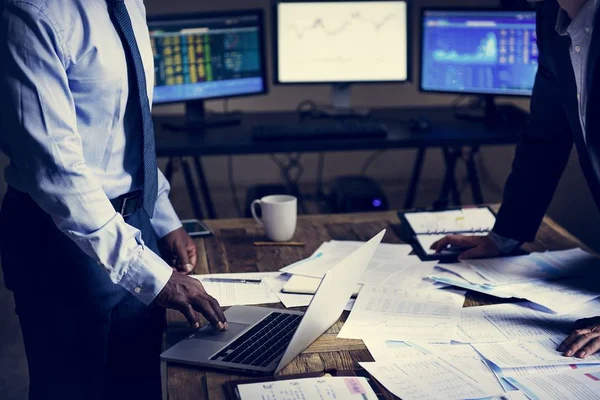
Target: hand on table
(179, 250)
(187, 295)
(474, 246)
(584, 340)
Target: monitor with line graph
(341, 42)
(478, 51)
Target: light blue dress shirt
(70, 134)
(579, 30)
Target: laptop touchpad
(209, 333)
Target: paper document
(288, 299)
(559, 296)
(390, 350)
(535, 266)
(433, 377)
(508, 322)
(240, 294)
(387, 313)
(537, 353)
(326, 388)
(578, 384)
(330, 253)
(465, 220)
(409, 275)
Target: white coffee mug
(279, 214)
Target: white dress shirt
(70, 134)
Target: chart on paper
(403, 314)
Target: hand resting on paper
(472, 246)
(584, 340)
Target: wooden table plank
(232, 249)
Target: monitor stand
(490, 112)
(340, 105)
(198, 118)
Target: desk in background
(232, 250)
(447, 132)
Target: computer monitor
(341, 42)
(479, 51)
(207, 56)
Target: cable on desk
(232, 187)
(370, 160)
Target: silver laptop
(264, 340)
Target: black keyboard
(322, 129)
(262, 343)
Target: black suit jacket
(544, 149)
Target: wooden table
(232, 249)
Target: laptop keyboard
(262, 343)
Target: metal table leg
(204, 188)
(189, 181)
(415, 179)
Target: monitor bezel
(275, 44)
(259, 12)
(422, 49)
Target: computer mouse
(419, 124)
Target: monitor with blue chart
(207, 56)
(481, 52)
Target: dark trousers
(85, 337)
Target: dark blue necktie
(137, 89)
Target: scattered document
(433, 377)
(391, 350)
(331, 253)
(386, 313)
(501, 373)
(326, 388)
(411, 275)
(560, 296)
(537, 353)
(237, 293)
(535, 266)
(578, 384)
(277, 283)
(509, 322)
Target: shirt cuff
(165, 219)
(146, 276)
(504, 244)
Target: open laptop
(264, 340)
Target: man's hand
(584, 340)
(179, 250)
(187, 295)
(474, 246)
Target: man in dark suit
(564, 111)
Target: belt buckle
(124, 205)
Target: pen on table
(231, 280)
(265, 244)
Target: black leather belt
(127, 203)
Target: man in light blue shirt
(78, 249)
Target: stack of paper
(558, 281)
(577, 384)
